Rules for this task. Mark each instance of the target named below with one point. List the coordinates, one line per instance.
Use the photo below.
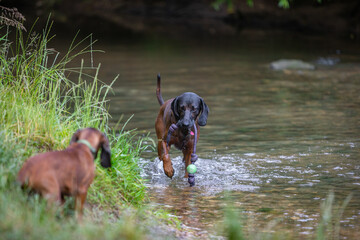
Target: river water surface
(276, 143)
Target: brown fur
(187, 110)
(70, 172)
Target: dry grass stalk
(11, 17)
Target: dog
(69, 172)
(186, 111)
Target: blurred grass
(237, 227)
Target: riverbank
(41, 109)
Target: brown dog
(186, 111)
(70, 172)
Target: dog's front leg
(163, 153)
(187, 158)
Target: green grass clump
(329, 225)
(30, 218)
(235, 226)
(40, 104)
(122, 183)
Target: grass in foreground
(235, 226)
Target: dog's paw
(169, 171)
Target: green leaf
(250, 3)
(284, 4)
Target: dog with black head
(187, 111)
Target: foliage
(122, 183)
(229, 3)
(285, 4)
(328, 227)
(46, 107)
(31, 218)
(41, 109)
(11, 17)
(233, 225)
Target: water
(276, 142)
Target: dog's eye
(193, 109)
(183, 108)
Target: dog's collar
(83, 141)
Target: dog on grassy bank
(69, 172)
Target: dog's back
(31, 168)
(59, 171)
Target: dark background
(335, 18)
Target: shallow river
(276, 143)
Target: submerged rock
(327, 61)
(293, 64)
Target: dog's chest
(181, 140)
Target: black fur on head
(105, 152)
(187, 108)
(204, 113)
(174, 108)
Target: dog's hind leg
(50, 190)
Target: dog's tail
(158, 91)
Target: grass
(41, 109)
(329, 226)
(40, 103)
(236, 226)
(122, 183)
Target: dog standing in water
(187, 111)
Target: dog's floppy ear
(174, 108)
(204, 113)
(75, 136)
(105, 152)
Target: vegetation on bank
(285, 4)
(41, 107)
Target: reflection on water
(276, 143)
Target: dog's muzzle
(186, 125)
